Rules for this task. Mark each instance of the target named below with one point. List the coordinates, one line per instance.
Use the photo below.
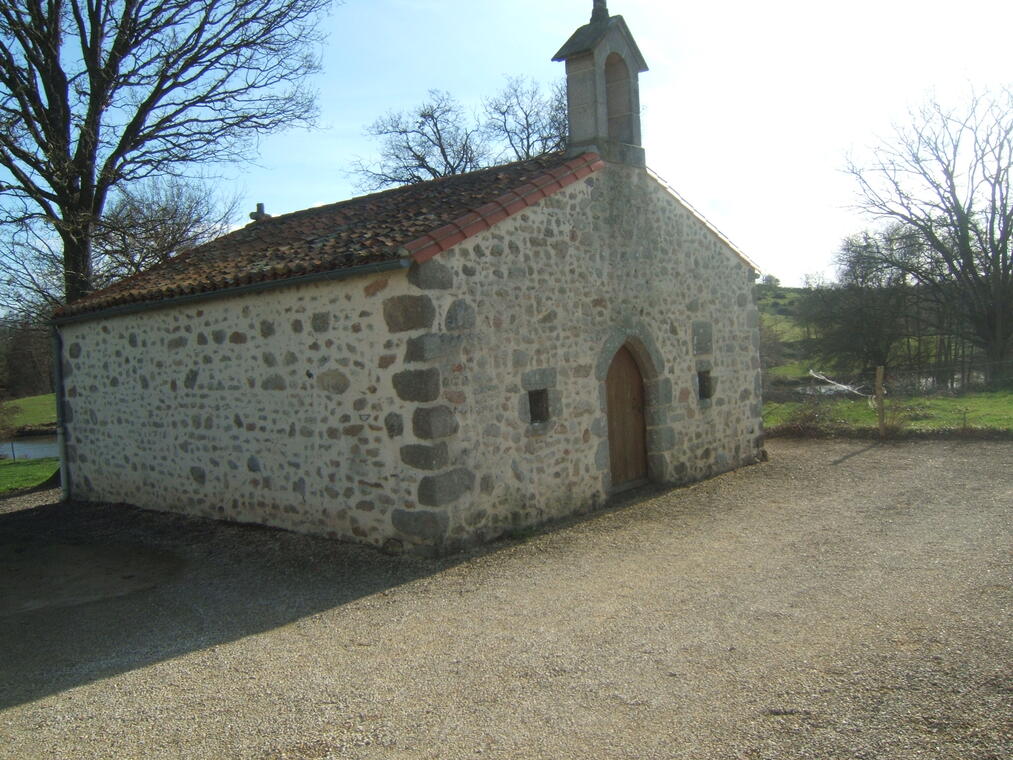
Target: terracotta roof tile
(416, 220)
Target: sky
(749, 110)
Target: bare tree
(145, 223)
(526, 122)
(438, 139)
(946, 180)
(27, 353)
(435, 139)
(97, 94)
(860, 322)
(31, 271)
(152, 221)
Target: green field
(778, 309)
(25, 473)
(791, 370)
(778, 312)
(786, 327)
(993, 410)
(35, 410)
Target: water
(34, 447)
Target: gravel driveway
(844, 600)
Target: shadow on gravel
(92, 590)
(856, 452)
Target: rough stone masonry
(395, 408)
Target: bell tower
(603, 67)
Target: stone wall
(395, 408)
(552, 294)
(279, 407)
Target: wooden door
(627, 431)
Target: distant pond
(32, 447)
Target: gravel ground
(844, 600)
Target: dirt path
(844, 600)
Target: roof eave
(133, 307)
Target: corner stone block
(460, 316)
(657, 468)
(656, 416)
(433, 346)
(434, 422)
(422, 523)
(659, 392)
(423, 457)
(602, 460)
(445, 488)
(703, 338)
(660, 439)
(535, 379)
(417, 384)
(524, 408)
(408, 313)
(431, 275)
(555, 404)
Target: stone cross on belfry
(600, 12)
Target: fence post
(880, 410)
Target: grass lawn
(786, 327)
(25, 473)
(35, 410)
(993, 409)
(791, 370)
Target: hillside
(778, 313)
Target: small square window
(538, 405)
(705, 385)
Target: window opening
(538, 405)
(705, 385)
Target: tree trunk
(77, 265)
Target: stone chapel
(435, 365)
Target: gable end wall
(555, 291)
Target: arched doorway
(627, 429)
